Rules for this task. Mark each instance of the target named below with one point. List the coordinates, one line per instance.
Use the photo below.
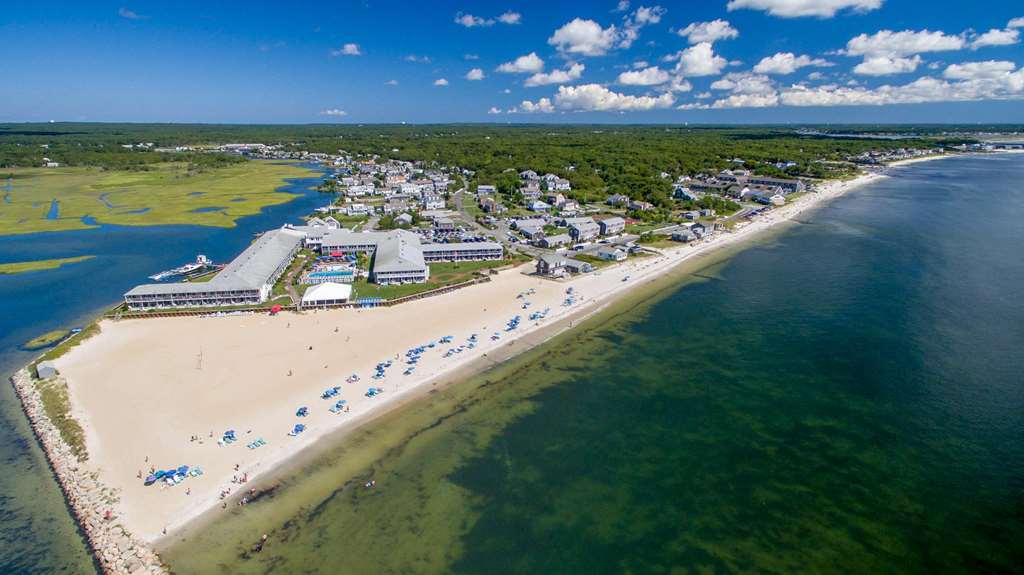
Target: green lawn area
(441, 275)
(168, 194)
(660, 243)
(21, 267)
(646, 227)
(46, 340)
(350, 221)
(302, 259)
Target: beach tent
(275, 310)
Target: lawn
(441, 275)
(46, 340)
(56, 199)
(21, 267)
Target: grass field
(46, 340)
(22, 267)
(56, 199)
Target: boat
(201, 263)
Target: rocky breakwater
(92, 504)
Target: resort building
(399, 257)
(248, 279)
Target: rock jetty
(91, 504)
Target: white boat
(201, 262)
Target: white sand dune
(143, 387)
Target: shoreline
(641, 271)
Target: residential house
(640, 206)
(684, 193)
(683, 235)
(578, 267)
(555, 241)
(617, 200)
(539, 206)
(611, 254)
(569, 208)
(551, 265)
(612, 226)
(433, 202)
(584, 230)
(444, 224)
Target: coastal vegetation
(54, 395)
(70, 198)
(38, 265)
(46, 340)
(69, 343)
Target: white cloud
(699, 60)
(748, 101)
(815, 76)
(787, 63)
(475, 74)
(902, 44)
(350, 49)
(130, 14)
(1007, 86)
(334, 112)
(510, 17)
(471, 21)
(996, 37)
(642, 16)
(494, 110)
(595, 97)
(573, 72)
(622, 6)
(418, 59)
(799, 8)
(543, 105)
(584, 37)
(392, 82)
(640, 64)
(441, 82)
(712, 31)
(1016, 23)
(886, 66)
(990, 69)
(506, 91)
(651, 76)
(471, 57)
(745, 83)
(527, 64)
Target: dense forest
(597, 159)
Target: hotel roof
(251, 270)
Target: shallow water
(845, 397)
(36, 533)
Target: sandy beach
(159, 393)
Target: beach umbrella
(183, 469)
(150, 480)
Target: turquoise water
(36, 533)
(845, 397)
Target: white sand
(143, 387)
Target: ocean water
(845, 396)
(37, 534)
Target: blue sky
(709, 61)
